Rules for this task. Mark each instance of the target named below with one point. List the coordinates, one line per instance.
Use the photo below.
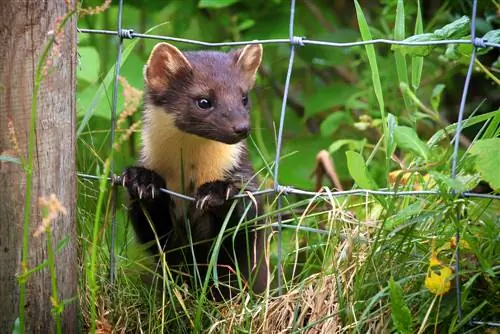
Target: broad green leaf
(216, 3)
(399, 34)
(437, 92)
(88, 64)
(456, 29)
(332, 123)
(357, 168)
(417, 62)
(372, 58)
(487, 153)
(392, 122)
(407, 138)
(327, 97)
(420, 50)
(400, 313)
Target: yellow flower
(438, 279)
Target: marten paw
(213, 194)
(142, 183)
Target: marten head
(205, 92)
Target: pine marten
(195, 120)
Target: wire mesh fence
(283, 190)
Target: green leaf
(328, 97)
(216, 3)
(372, 59)
(392, 122)
(88, 64)
(332, 123)
(400, 313)
(407, 138)
(399, 34)
(487, 153)
(417, 62)
(437, 92)
(421, 50)
(352, 144)
(357, 168)
(456, 29)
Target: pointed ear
(248, 60)
(164, 63)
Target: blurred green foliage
(331, 88)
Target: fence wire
(280, 190)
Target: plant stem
(487, 72)
(53, 278)
(95, 236)
(28, 167)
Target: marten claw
(229, 192)
(142, 183)
(203, 201)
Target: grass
(332, 283)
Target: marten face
(205, 92)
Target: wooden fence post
(24, 31)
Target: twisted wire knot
(479, 42)
(297, 40)
(126, 33)
(283, 189)
(116, 179)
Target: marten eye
(244, 99)
(204, 103)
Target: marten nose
(241, 130)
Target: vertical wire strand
(278, 144)
(112, 262)
(455, 155)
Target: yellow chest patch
(173, 153)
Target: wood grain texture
(24, 25)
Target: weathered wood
(24, 27)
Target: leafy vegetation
(386, 117)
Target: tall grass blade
(417, 63)
(377, 86)
(399, 35)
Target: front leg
(143, 186)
